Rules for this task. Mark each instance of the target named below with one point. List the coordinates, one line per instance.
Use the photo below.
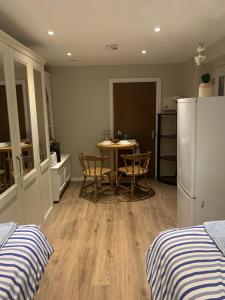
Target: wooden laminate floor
(100, 249)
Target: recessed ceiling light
(111, 47)
(50, 32)
(143, 51)
(69, 53)
(157, 29)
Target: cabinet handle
(18, 158)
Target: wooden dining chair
(135, 166)
(9, 161)
(2, 180)
(28, 163)
(93, 166)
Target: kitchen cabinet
(60, 176)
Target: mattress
(22, 262)
(185, 264)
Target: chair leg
(95, 188)
(120, 178)
(82, 187)
(110, 182)
(147, 183)
(5, 181)
(132, 187)
(101, 180)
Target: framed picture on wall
(219, 73)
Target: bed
(23, 259)
(185, 264)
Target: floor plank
(100, 248)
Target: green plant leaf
(205, 78)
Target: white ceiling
(84, 27)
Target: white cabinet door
(10, 160)
(43, 139)
(186, 138)
(27, 138)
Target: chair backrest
(137, 164)
(92, 165)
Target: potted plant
(205, 87)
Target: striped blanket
(185, 264)
(22, 262)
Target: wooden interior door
(134, 114)
(4, 130)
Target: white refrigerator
(200, 160)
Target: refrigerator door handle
(184, 191)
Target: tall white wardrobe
(25, 188)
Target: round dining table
(6, 155)
(116, 147)
(8, 149)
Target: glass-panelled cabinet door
(49, 107)
(40, 109)
(7, 174)
(23, 107)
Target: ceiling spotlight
(143, 51)
(157, 29)
(50, 32)
(69, 53)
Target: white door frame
(157, 80)
(219, 70)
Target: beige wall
(191, 79)
(81, 101)
(215, 55)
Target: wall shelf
(167, 136)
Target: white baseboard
(77, 178)
(48, 213)
(45, 217)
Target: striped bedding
(22, 262)
(185, 264)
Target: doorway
(134, 104)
